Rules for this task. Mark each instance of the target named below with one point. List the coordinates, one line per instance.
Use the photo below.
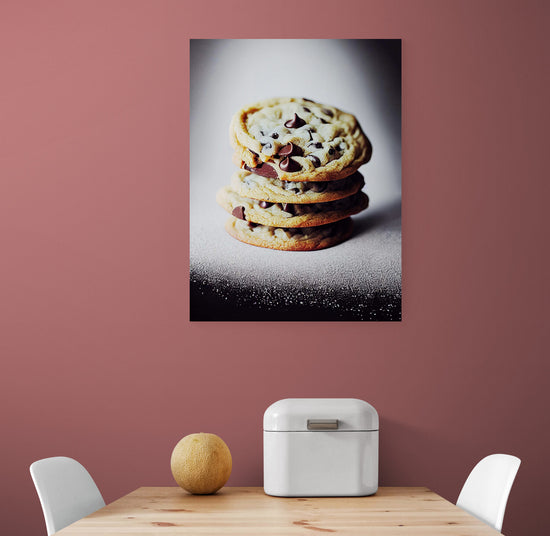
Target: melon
(201, 463)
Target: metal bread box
(315, 447)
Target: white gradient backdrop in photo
(362, 77)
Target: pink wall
(99, 359)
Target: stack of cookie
(298, 183)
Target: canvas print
(295, 180)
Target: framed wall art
(295, 180)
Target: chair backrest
(486, 490)
(66, 491)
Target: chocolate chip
(290, 150)
(295, 122)
(290, 165)
(318, 187)
(323, 121)
(252, 225)
(238, 212)
(274, 135)
(265, 204)
(316, 162)
(255, 154)
(288, 207)
(306, 109)
(327, 112)
(331, 151)
(308, 100)
(264, 170)
(317, 145)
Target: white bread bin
(316, 447)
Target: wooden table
(248, 511)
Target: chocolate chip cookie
(290, 239)
(297, 183)
(290, 214)
(254, 186)
(296, 139)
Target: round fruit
(201, 463)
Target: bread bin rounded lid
(320, 414)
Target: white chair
(66, 491)
(486, 490)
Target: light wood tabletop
(248, 511)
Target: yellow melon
(201, 463)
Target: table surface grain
(415, 511)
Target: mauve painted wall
(99, 360)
